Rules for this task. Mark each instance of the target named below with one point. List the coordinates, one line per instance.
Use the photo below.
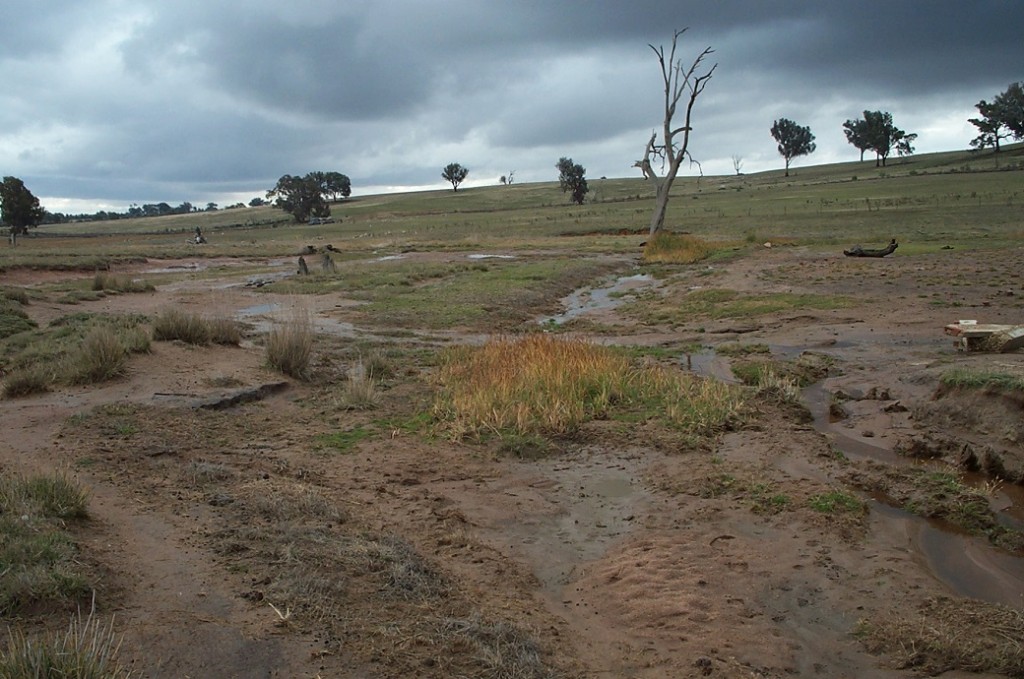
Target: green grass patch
(837, 502)
(38, 559)
(76, 349)
(972, 378)
(717, 304)
(345, 441)
(13, 319)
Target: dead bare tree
(678, 81)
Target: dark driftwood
(858, 251)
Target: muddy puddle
(564, 513)
(967, 564)
(589, 300)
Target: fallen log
(858, 251)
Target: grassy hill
(925, 201)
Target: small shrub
(290, 346)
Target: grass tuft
(27, 381)
(946, 634)
(360, 391)
(290, 346)
(500, 649)
(105, 282)
(672, 248)
(87, 650)
(101, 357)
(13, 319)
(541, 384)
(837, 502)
(174, 324)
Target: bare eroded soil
(617, 556)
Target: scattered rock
(895, 407)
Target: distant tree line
(135, 211)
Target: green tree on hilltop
(19, 209)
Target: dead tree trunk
(673, 150)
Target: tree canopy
(1002, 118)
(571, 177)
(793, 140)
(301, 197)
(876, 132)
(332, 184)
(856, 131)
(19, 209)
(454, 173)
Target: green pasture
(926, 202)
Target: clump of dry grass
(104, 281)
(174, 324)
(672, 248)
(101, 357)
(290, 346)
(26, 381)
(87, 650)
(499, 649)
(543, 384)
(946, 634)
(360, 391)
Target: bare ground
(240, 542)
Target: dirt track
(621, 557)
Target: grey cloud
(195, 97)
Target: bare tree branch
(677, 81)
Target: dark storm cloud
(120, 101)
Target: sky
(108, 103)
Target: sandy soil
(620, 557)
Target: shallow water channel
(589, 300)
(967, 564)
